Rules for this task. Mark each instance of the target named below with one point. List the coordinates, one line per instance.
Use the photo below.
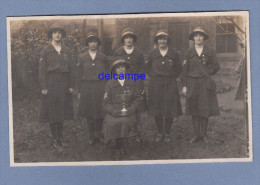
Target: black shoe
(206, 139)
(62, 144)
(167, 138)
(56, 145)
(194, 139)
(138, 139)
(118, 155)
(159, 138)
(91, 141)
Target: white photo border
(138, 162)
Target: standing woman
(135, 59)
(200, 90)
(163, 97)
(91, 88)
(56, 76)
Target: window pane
(231, 44)
(221, 28)
(179, 33)
(107, 46)
(231, 28)
(221, 44)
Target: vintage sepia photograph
(153, 88)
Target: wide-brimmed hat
(161, 33)
(199, 30)
(117, 61)
(56, 27)
(128, 32)
(92, 35)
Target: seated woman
(121, 101)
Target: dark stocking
(168, 125)
(203, 126)
(91, 127)
(53, 127)
(98, 127)
(59, 130)
(196, 125)
(159, 123)
(119, 143)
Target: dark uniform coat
(116, 126)
(135, 59)
(201, 99)
(163, 95)
(56, 74)
(241, 90)
(91, 88)
(136, 66)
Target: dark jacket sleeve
(136, 98)
(213, 66)
(177, 66)
(79, 73)
(43, 70)
(72, 66)
(185, 69)
(107, 64)
(118, 52)
(148, 66)
(107, 103)
(142, 63)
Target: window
(179, 33)
(107, 46)
(226, 39)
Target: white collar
(121, 82)
(57, 48)
(129, 51)
(92, 55)
(163, 52)
(199, 50)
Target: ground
(227, 134)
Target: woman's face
(128, 40)
(92, 45)
(162, 42)
(198, 39)
(56, 35)
(120, 69)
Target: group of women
(112, 108)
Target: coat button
(163, 62)
(93, 64)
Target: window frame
(226, 34)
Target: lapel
(51, 49)
(157, 53)
(192, 52)
(115, 83)
(125, 53)
(205, 51)
(171, 53)
(98, 56)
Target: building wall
(110, 30)
(147, 28)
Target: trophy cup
(123, 99)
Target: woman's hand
(116, 113)
(184, 90)
(130, 111)
(45, 91)
(71, 90)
